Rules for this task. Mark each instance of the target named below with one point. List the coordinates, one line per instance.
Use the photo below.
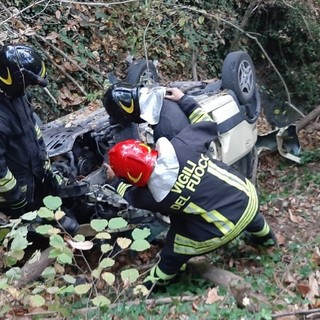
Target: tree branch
(292, 313)
(308, 118)
(253, 38)
(32, 270)
(96, 4)
(243, 23)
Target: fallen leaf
(281, 239)
(295, 219)
(314, 288)
(288, 279)
(213, 296)
(82, 245)
(315, 258)
(303, 288)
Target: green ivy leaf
(140, 289)
(29, 216)
(14, 273)
(106, 248)
(45, 213)
(129, 275)
(201, 19)
(48, 272)
(57, 241)
(37, 301)
(21, 231)
(44, 229)
(11, 261)
(52, 202)
(106, 263)
(140, 245)
(101, 301)
(65, 257)
(69, 279)
(79, 238)
(103, 235)
(3, 233)
(68, 289)
(4, 309)
(117, 223)
(138, 234)
(16, 254)
(54, 253)
(53, 290)
(38, 289)
(108, 277)
(19, 243)
(96, 273)
(3, 283)
(182, 21)
(99, 224)
(82, 288)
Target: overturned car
(78, 143)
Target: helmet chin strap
(34, 79)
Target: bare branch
(14, 15)
(292, 313)
(96, 4)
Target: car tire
(142, 72)
(239, 75)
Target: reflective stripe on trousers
(186, 246)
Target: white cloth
(150, 101)
(166, 170)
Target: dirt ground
(294, 193)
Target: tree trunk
(236, 285)
(308, 118)
(32, 270)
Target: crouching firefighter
(209, 203)
(26, 176)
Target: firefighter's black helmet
(20, 66)
(121, 101)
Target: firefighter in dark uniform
(25, 171)
(127, 104)
(209, 203)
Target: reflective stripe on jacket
(209, 204)
(23, 158)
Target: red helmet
(133, 160)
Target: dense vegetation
(82, 43)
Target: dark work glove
(18, 207)
(51, 183)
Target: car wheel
(142, 72)
(239, 75)
(247, 165)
